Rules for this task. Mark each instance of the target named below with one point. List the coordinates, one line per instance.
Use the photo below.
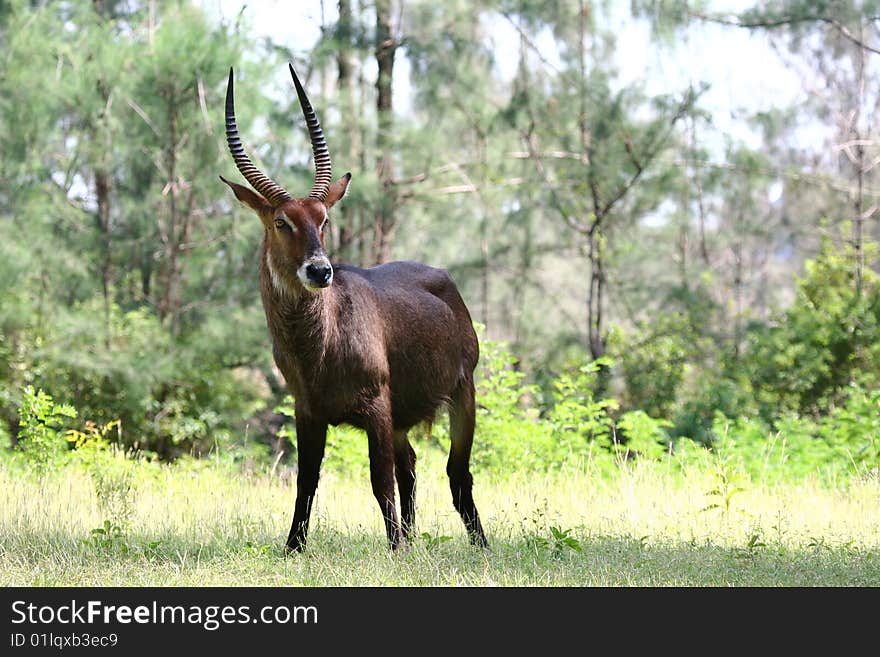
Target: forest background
(651, 274)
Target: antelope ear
(337, 190)
(250, 198)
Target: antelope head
(295, 248)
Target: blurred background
(682, 194)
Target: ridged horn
(272, 191)
(319, 144)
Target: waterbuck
(380, 349)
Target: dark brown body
(380, 349)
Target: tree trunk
(695, 177)
(859, 217)
(859, 164)
(595, 327)
(738, 272)
(526, 250)
(485, 257)
(595, 320)
(169, 270)
(176, 233)
(102, 194)
(346, 214)
(384, 218)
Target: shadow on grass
(629, 561)
(348, 557)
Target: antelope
(380, 349)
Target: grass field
(648, 525)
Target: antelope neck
(304, 323)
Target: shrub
(40, 438)
(173, 396)
(834, 447)
(828, 339)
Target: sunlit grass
(648, 525)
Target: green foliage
(108, 538)
(575, 413)
(432, 542)
(172, 397)
(852, 429)
(576, 428)
(828, 339)
(114, 291)
(642, 435)
(286, 408)
(728, 483)
(46, 448)
(653, 372)
(128, 283)
(803, 365)
(509, 432)
(559, 542)
(346, 449)
(653, 359)
(41, 440)
(833, 448)
(113, 478)
(93, 437)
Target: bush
(509, 434)
(514, 434)
(578, 419)
(834, 447)
(652, 361)
(172, 396)
(801, 364)
(828, 339)
(40, 438)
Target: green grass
(648, 525)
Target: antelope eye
(281, 224)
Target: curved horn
(319, 144)
(272, 191)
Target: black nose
(319, 274)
